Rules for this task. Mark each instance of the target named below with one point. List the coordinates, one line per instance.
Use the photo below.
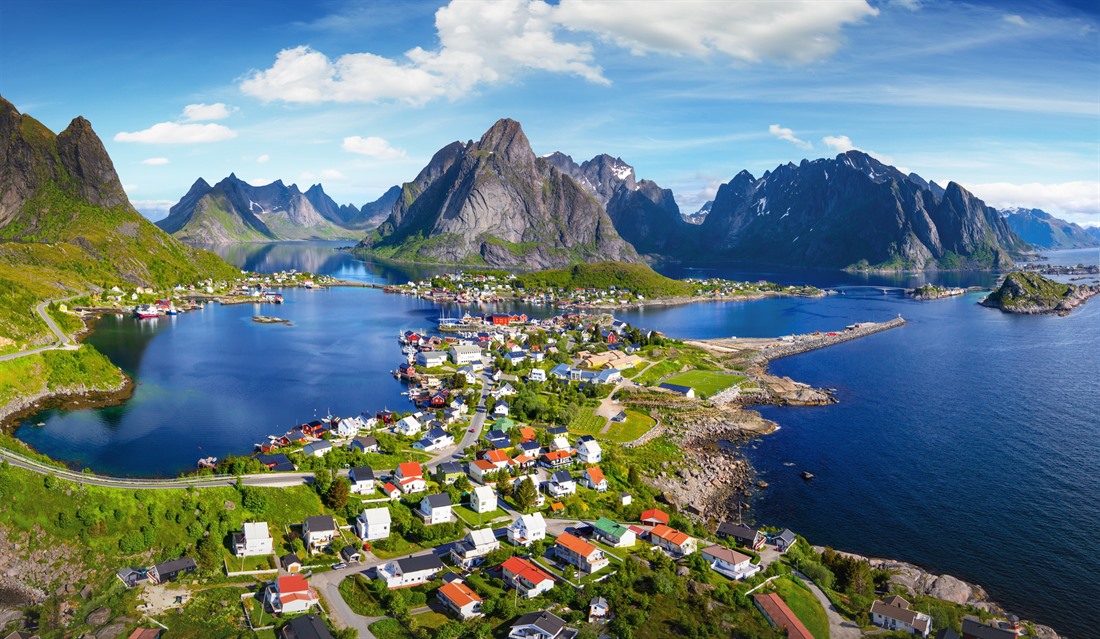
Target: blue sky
(1002, 97)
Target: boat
(146, 311)
(208, 462)
(807, 475)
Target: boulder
(98, 617)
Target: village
(511, 496)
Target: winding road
(64, 342)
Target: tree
(338, 492)
(322, 481)
(254, 499)
(525, 494)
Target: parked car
(339, 566)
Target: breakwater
(814, 341)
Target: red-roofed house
(580, 553)
(779, 615)
(593, 478)
(290, 593)
(458, 597)
(498, 458)
(391, 491)
(654, 516)
(675, 542)
(523, 575)
(410, 478)
(556, 459)
(479, 468)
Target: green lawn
(706, 383)
(657, 371)
(804, 605)
(479, 520)
(359, 598)
(636, 425)
(587, 423)
(389, 628)
(394, 546)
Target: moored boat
(145, 311)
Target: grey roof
(347, 552)
(786, 536)
(436, 433)
(287, 560)
(438, 500)
(561, 476)
(176, 565)
(320, 522)
(366, 442)
(305, 627)
(448, 468)
(361, 473)
(974, 627)
(557, 430)
(676, 388)
(736, 530)
(277, 458)
(548, 622)
(530, 446)
(496, 434)
(586, 438)
(598, 601)
(419, 563)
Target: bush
(820, 575)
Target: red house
(499, 319)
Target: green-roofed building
(614, 534)
(504, 423)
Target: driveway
(839, 627)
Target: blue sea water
(966, 441)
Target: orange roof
(671, 535)
(576, 544)
(527, 433)
(520, 567)
(459, 594)
(145, 633)
(557, 454)
(498, 456)
(655, 514)
(484, 464)
(409, 469)
(523, 459)
(556, 506)
(595, 475)
(780, 615)
(291, 583)
(389, 488)
(309, 595)
(408, 480)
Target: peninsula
(1029, 293)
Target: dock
(773, 348)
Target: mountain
(643, 213)
(854, 212)
(1031, 293)
(700, 215)
(1043, 230)
(66, 224)
(235, 211)
(492, 202)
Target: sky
(1001, 97)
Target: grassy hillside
(1025, 289)
(638, 278)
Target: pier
(773, 348)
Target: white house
(479, 468)
(501, 409)
(527, 529)
(457, 596)
(730, 563)
(318, 531)
(483, 500)
(589, 452)
(894, 614)
(540, 625)
(410, 478)
(504, 390)
(362, 480)
(673, 541)
(436, 509)
(318, 449)
(468, 372)
(614, 534)
(560, 443)
(364, 444)
(465, 354)
(373, 523)
(410, 570)
(578, 552)
(593, 478)
(431, 359)
(472, 549)
(253, 540)
(435, 439)
(523, 575)
(536, 375)
(561, 484)
(407, 426)
(290, 594)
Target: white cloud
(175, 133)
(750, 31)
(492, 43)
(204, 112)
(372, 146)
(1016, 20)
(331, 175)
(263, 159)
(911, 5)
(1075, 201)
(259, 181)
(156, 161)
(153, 209)
(839, 143)
(787, 134)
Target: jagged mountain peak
(506, 139)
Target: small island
(933, 292)
(265, 319)
(1033, 294)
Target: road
(470, 435)
(839, 627)
(63, 341)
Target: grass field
(804, 605)
(706, 383)
(587, 423)
(472, 519)
(636, 425)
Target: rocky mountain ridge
(1044, 231)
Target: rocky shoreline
(74, 398)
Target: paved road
(470, 435)
(839, 627)
(63, 341)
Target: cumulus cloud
(1075, 201)
(372, 146)
(175, 133)
(156, 161)
(259, 181)
(532, 35)
(153, 209)
(787, 134)
(263, 159)
(330, 175)
(1016, 20)
(204, 112)
(839, 143)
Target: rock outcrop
(1032, 294)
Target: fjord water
(966, 441)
